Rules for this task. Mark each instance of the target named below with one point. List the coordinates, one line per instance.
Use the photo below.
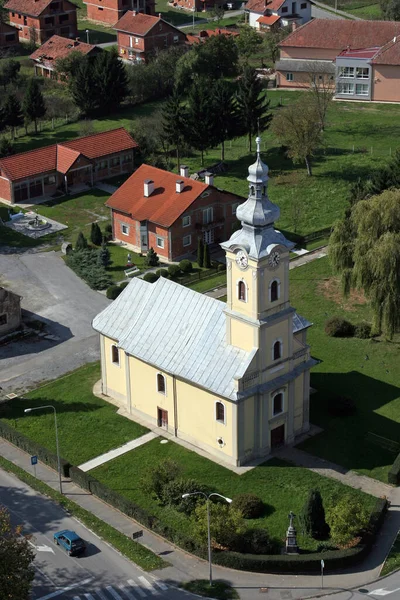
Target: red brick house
(39, 20)
(36, 175)
(8, 36)
(111, 11)
(169, 212)
(141, 35)
(45, 57)
(205, 34)
(197, 5)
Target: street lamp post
(207, 497)
(87, 36)
(28, 410)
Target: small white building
(267, 14)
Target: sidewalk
(185, 567)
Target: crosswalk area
(132, 589)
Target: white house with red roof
(360, 58)
(268, 14)
(169, 212)
(34, 176)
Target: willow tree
(365, 249)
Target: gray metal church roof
(177, 330)
(300, 323)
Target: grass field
(88, 426)
(365, 9)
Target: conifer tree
(227, 120)
(104, 257)
(83, 88)
(206, 259)
(96, 236)
(33, 106)
(111, 80)
(200, 252)
(313, 516)
(81, 242)
(151, 259)
(173, 119)
(6, 147)
(200, 129)
(13, 113)
(253, 105)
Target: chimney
(159, 15)
(134, 13)
(294, 26)
(179, 186)
(148, 187)
(184, 171)
(209, 178)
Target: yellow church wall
(144, 395)
(246, 276)
(248, 425)
(116, 373)
(267, 277)
(298, 402)
(196, 419)
(243, 335)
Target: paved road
(54, 294)
(318, 12)
(101, 574)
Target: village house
(169, 212)
(45, 57)
(8, 36)
(140, 36)
(10, 311)
(36, 175)
(361, 59)
(232, 379)
(199, 5)
(39, 20)
(205, 34)
(265, 15)
(111, 11)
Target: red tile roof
(32, 8)
(204, 34)
(261, 5)
(342, 33)
(359, 52)
(388, 54)
(164, 205)
(136, 23)
(59, 47)
(270, 20)
(61, 157)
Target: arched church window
(115, 355)
(252, 190)
(242, 291)
(220, 412)
(160, 383)
(277, 351)
(274, 290)
(278, 404)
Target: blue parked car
(69, 540)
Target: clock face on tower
(242, 259)
(274, 259)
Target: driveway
(54, 294)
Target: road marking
(137, 588)
(66, 589)
(127, 593)
(382, 592)
(148, 585)
(113, 593)
(161, 585)
(41, 548)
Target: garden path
(103, 458)
(106, 187)
(329, 469)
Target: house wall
(5, 189)
(115, 383)
(161, 36)
(10, 311)
(8, 38)
(61, 20)
(386, 83)
(294, 8)
(253, 16)
(110, 11)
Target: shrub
(173, 490)
(123, 285)
(96, 236)
(151, 259)
(313, 516)
(338, 327)
(226, 524)
(151, 277)
(200, 252)
(394, 473)
(250, 505)
(341, 406)
(186, 266)
(348, 518)
(255, 541)
(162, 273)
(113, 292)
(81, 242)
(206, 257)
(85, 265)
(221, 267)
(104, 257)
(167, 470)
(363, 330)
(173, 271)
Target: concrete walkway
(106, 187)
(103, 458)
(328, 469)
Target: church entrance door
(162, 418)
(277, 436)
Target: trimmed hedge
(44, 455)
(394, 473)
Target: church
(230, 378)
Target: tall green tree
(200, 252)
(252, 103)
(6, 147)
(365, 250)
(248, 42)
(173, 121)
(298, 127)
(206, 257)
(81, 242)
(16, 558)
(200, 126)
(390, 9)
(13, 113)
(9, 70)
(83, 88)
(96, 237)
(313, 516)
(104, 256)
(111, 80)
(33, 105)
(227, 121)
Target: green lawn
(392, 563)
(365, 370)
(176, 16)
(119, 257)
(203, 285)
(97, 33)
(88, 426)
(282, 487)
(365, 9)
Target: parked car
(69, 540)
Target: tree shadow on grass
(13, 410)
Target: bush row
(394, 473)
(247, 562)
(33, 448)
(339, 327)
